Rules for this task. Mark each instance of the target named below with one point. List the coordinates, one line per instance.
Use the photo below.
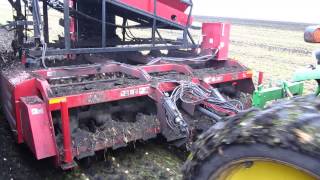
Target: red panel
(216, 36)
(177, 4)
(141, 90)
(12, 89)
(221, 78)
(36, 127)
(25, 88)
(168, 67)
(163, 10)
(104, 96)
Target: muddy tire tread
(293, 125)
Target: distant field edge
(252, 22)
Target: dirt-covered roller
(280, 142)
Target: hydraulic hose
(209, 113)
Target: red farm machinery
(124, 70)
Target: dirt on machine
(103, 85)
(278, 142)
(127, 71)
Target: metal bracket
(286, 89)
(174, 117)
(14, 24)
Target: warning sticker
(37, 111)
(134, 92)
(213, 79)
(143, 90)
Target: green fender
(306, 74)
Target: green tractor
(280, 142)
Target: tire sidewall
(235, 153)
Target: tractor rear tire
(285, 135)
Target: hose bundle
(191, 93)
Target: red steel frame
(39, 86)
(77, 100)
(66, 132)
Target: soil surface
(142, 160)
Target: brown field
(277, 49)
(276, 52)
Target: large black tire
(288, 132)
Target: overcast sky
(282, 10)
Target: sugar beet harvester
(105, 84)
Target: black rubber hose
(209, 113)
